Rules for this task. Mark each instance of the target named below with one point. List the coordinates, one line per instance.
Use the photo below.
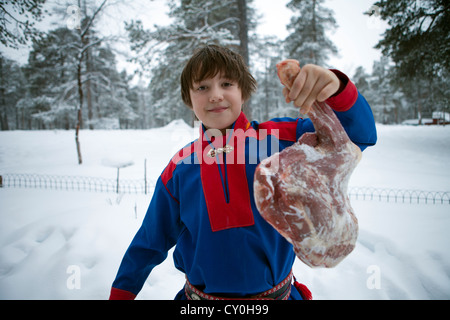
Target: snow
(68, 245)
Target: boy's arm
(352, 110)
(158, 233)
(357, 117)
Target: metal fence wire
(399, 195)
(142, 186)
(76, 183)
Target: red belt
(281, 291)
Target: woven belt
(281, 291)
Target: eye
(201, 88)
(227, 84)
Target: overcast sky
(355, 36)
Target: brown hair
(207, 62)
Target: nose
(216, 95)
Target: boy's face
(217, 102)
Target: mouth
(218, 109)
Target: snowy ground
(68, 245)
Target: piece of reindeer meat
(302, 191)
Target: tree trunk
(3, 113)
(243, 37)
(314, 29)
(89, 98)
(83, 34)
(79, 109)
(85, 42)
(419, 105)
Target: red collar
(240, 125)
(224, 179)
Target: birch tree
(308, 41)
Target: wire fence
(142, 186)
(76, 183)
(399, 195)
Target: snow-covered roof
(441, 115)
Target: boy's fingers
(308, 93)
(327, 91)
(286, 95)
(298, 84)
(309, 86)
(309, 101)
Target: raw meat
(288, 71)
(304, 197)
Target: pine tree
(52, 87)
(17, 25)
(417, 43)
(381, 98)
(167, 49)
(308, 41)
(51, 81)
(417, 37)
(111, 107)
(269, 101)
(12, 89)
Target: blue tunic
(204, 206)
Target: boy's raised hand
(313, 83)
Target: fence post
(118, 168)
(145, 176)
(1, 181)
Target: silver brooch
(213, 152)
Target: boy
(203, 201)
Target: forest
(71, 80)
